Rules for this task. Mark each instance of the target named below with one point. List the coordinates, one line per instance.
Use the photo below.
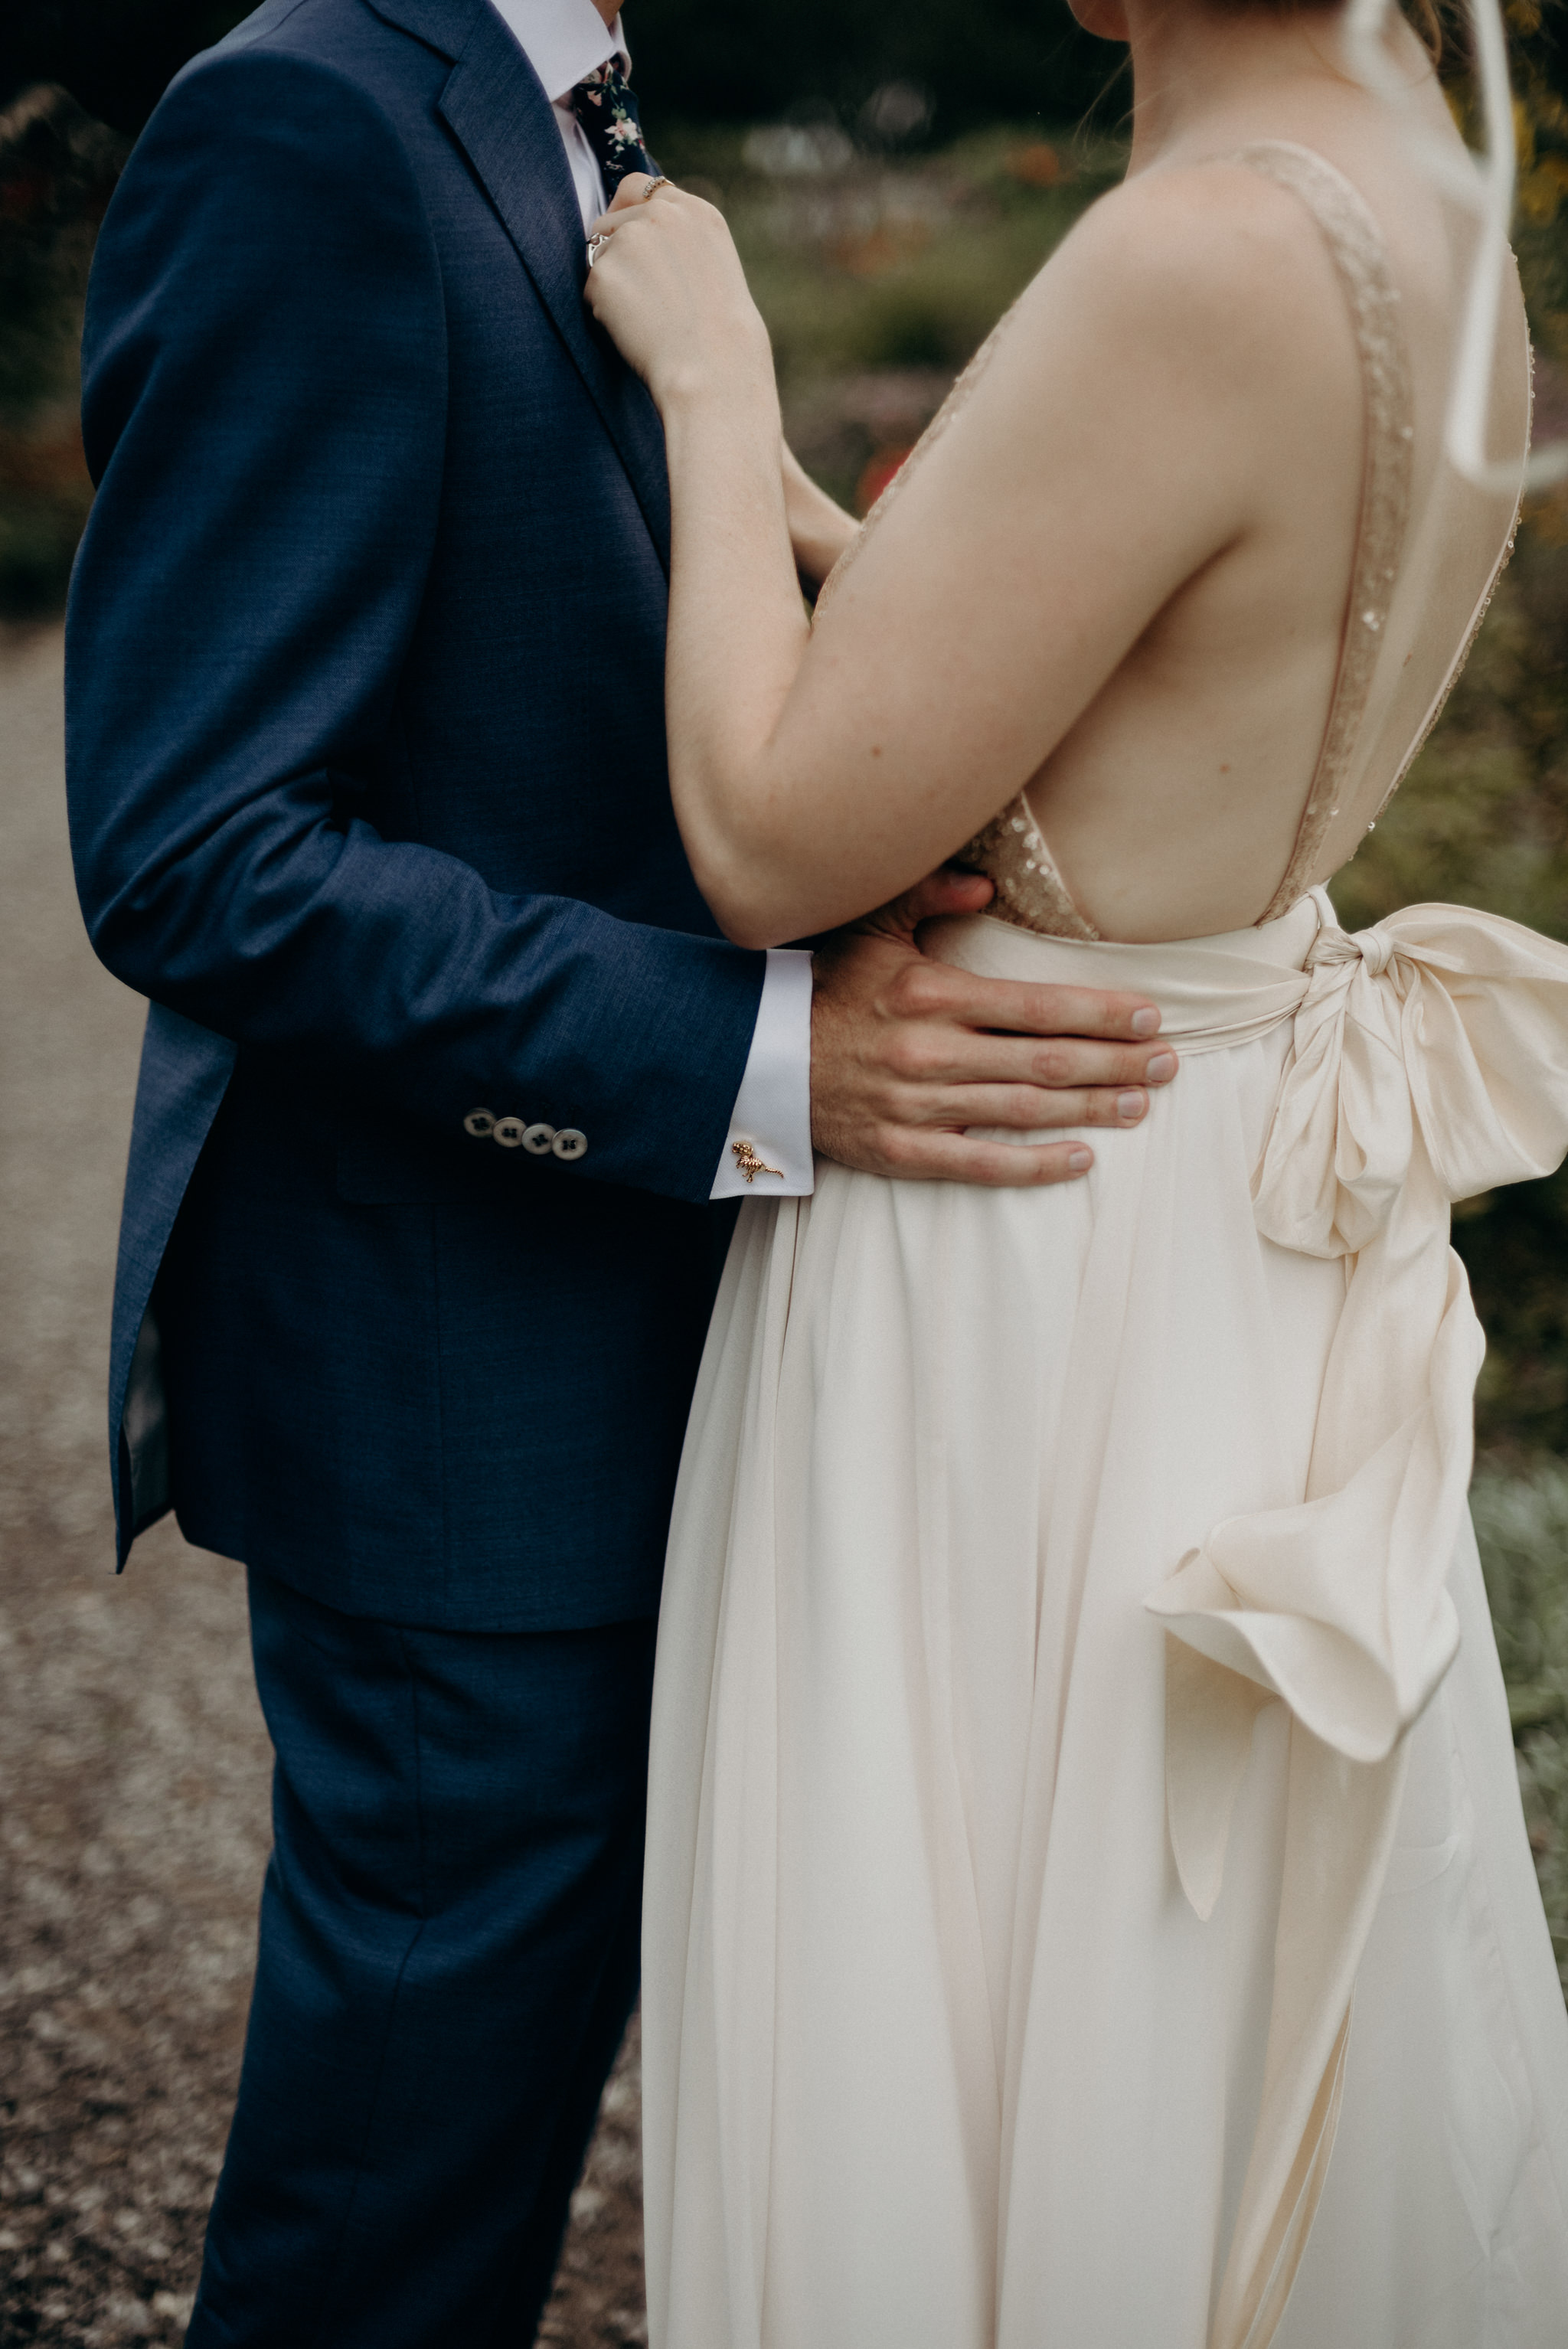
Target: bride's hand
(668, 286)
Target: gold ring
(652, 190)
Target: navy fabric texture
(449, 1955)
(380, 519)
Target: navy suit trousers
(447, 1960)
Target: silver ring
(597, 245)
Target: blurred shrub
(57, 169)
(868, 266)
(1521, 1525)
(1483, 821)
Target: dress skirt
(939, 2051)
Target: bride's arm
(1121, 439)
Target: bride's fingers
(633, 189)
(947, 891)
(632, 196)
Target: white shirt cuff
(771, 1130)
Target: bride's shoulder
(1212, 258)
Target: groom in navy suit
(444, 1067)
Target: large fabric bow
(1429, 1062)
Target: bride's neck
(1198, 70)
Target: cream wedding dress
(1088, 1900)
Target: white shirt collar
(563, 40)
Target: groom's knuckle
(902, 1149)
(912, 1055)
(920, 991)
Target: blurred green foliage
(879, 275)
(1483, 820)
(58, 171)
(1521, 1525)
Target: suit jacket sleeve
(264, 388)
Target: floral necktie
(606, 108)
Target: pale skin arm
(818, 529)
(1122, 440)
(906, 1054)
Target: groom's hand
(906, 1052)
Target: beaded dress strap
(1030, 890)
(1361, 262)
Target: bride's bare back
(1118, 574)
(1239, 752)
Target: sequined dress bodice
(1372, 733)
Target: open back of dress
(1429, 548)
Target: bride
(1088, 1900)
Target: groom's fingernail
(1162, 1066)
(1081, 1161)
(1129, 1106)
(1146, 1023)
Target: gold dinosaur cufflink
(751, 1166)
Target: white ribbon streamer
(1485, 185)
(1429, 1062)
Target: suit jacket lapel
(502, 119)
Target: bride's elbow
(748, 906)
(747, 923)
(756, 933)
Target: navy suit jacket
(367, 767)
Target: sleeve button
(537, 1141)
(569, 1143)
(508, 1132)
(479, 1123)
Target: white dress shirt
(564, 41)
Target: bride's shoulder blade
(1211, 257)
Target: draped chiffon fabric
(1087, 1896)
(938, 2046)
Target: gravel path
(133, 1761)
